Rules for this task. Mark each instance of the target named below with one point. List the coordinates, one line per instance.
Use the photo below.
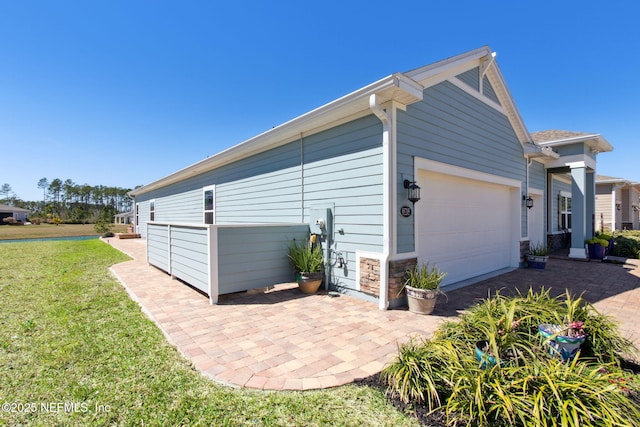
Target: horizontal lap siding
(267, 198)
(157, 241)
(251, 257)
(603, 207)
(189, 256)
(344, 168)
(537, 174)
(452, 127)
(261, 188)
(537, 180)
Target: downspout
(301, 179)
(529, 161)
(385, 118)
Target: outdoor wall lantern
(528, 201)
(618, 206)
(413, 191)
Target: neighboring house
(18, 214)
(450, 128)
(617, 204)
(570, 192)
(123, 218)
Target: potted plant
(308, 263)
(609, 238)
(538, 256)
(563, 340)
(597, 247)
(423, 287)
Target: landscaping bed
(522, 380)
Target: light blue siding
(488, 91)
(537, 174)
(157, 246)
(248, 257)
(471, 77)
(189, 256)
(452, 127)
(251, 257)
(341, 166)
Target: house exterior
(617, 204)
(14, 212)
(570, 189)
(341, 172)
(123, 218)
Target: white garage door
(464, 226)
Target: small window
(564, 207)
(209, 205)
(152, 210)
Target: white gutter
(385, 118)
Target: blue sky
(121, 93)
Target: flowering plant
(574, 329)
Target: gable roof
(8, 208)
(403, 88)
(554, 138)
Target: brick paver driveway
(285, 340)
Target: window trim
(211, 188)
(152, 210)
(566, 213)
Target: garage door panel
(463, 225)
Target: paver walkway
(285, 340)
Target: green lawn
(10, 232)
(76, 350)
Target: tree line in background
(66, 201)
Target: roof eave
(599, 143)
(396, 87)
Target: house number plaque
(405, 211)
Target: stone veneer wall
(370, 276)
(524, 250)
(558, 241)
(397, 275)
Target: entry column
(578, 210)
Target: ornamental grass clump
(424, 277)
(305, 257)
(524, 385)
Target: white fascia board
(442, 70)
(577, 160)
(396, 87)
(599, 143)
(506, 99)
(433, 74)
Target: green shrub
(306, 257)
(526, 386)
(539, 250)
(104, 228)
(424, 277)
(597, 241)
(627, 244)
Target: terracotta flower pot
(309, 283)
